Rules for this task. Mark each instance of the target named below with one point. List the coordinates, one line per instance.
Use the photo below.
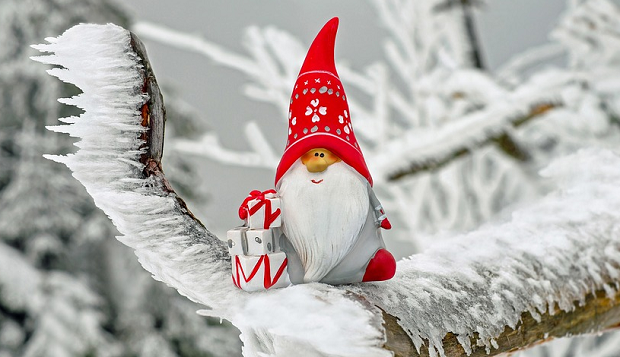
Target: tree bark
(598, 313)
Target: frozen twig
(499, 136)
(195, 43)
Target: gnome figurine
(331, 219)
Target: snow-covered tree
(549, 270)
(66, 287)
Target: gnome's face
(322, 211)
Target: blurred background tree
(67, 287)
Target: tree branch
(598, 313)
(119, 160)
(488, 291)
(500, 137)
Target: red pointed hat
(319, 114)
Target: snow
(62, 309)
(553, 253)
(309, 320)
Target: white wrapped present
(260, 272)
(237, 243)
(261, 210)
(260, 241)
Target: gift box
(237, 242)
(260, 241)
(260, 272)
(261, 210)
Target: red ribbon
(262, 201)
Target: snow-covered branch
(544, 263)
(597, 313)
(123, 177)
(424, 150)
(511, 72)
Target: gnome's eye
(322, 155)
(316, 154)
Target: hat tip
(333, 22)
(332, 25)
(321, 52)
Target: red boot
(381, 267)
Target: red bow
(262, 201)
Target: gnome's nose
(317, 160)
(316, 165)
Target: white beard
(322, 221)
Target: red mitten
(385, 224)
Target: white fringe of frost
(98, 59)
